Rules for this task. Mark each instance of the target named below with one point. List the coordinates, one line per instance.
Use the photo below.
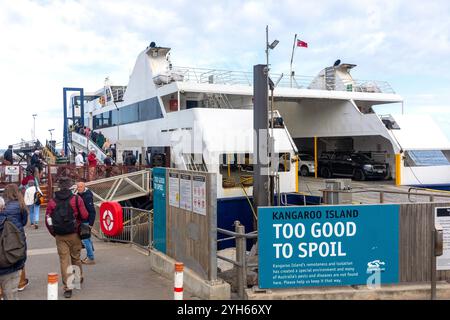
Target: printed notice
(174, 190)
(185, 192)
(443, 218)
(199, 196)
(12, 170)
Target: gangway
(81, 142)
(120, 188)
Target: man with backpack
(63, 218)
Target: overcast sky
(47, 45)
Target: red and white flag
(301, 43)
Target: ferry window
(129, 114)
(191, 104)
(149, 110)
(425, 158)
(285, 162)
(114, 117)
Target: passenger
(29, 177)
(63, 218)
(79, 164)
(8, 157)
(88, 199)
(92, 161)
(113, 152)
(94, 136)
(100, 139)
(87, 132)
(15, 211)
(108, 163)
(36, 164)
(32, 201)
(106, 146)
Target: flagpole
(292, 58)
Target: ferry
(202, 119)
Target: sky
(47, 45)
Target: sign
(174, 190)
(12, 170)
(159, 209)
(199, 196)
(442, 217)
(328, 245)
(185, 192)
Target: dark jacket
(35, 161)
(80, 215)
(8, 156)
(88, 199)
(19, 218)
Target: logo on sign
(108, 220)
(376, 265)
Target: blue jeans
(34, 213)
(89, 247)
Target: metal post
(381, 197)
(433, 262)
(241, 259)
(212, 214)
(131, 225)
(260, 127)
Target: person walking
(88, 199)
(63, 218)
(32, 201)
(79, 164)
(36, 164)
(8, 158)
(108, 165)
(15, 212)
(100, 140)
(92, 162)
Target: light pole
(51, 136)
(270, 141)
(34, 126)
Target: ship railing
(228, 77)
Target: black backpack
(12, 245)
(63, 218)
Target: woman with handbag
(15, 216)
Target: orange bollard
(52, 288)
(178, 287)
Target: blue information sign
(159, 209)
(328, 245)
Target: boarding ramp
(122, 187)
(81, 142)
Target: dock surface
(120, 272)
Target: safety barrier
(137, 228)
(241, 254)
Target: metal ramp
(120, 188)
(80, 142)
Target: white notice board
(199, 196)
(174, 190)
(442, 217)
(185, 192)
(12, 170)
